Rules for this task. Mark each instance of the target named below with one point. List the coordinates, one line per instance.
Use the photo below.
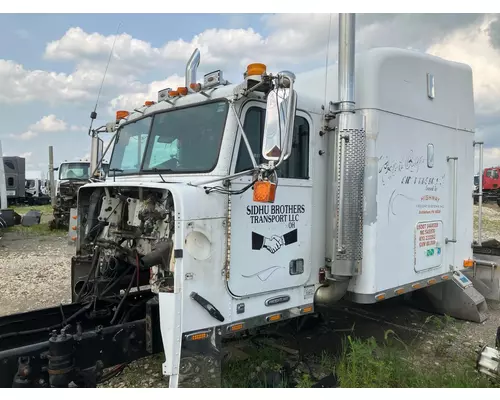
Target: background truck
(36, 188)
(15, 175)
(491, 185)
(71, 176)
(236, 206)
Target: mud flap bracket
(457, 298)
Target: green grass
(251, 372)
(393, 363)
(45, 209)
(366, 364)
(41, 229)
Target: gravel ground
(491, 222)
(36, 274)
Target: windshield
(492, 173)
(30, 183)
(182, 140)
(74, 171)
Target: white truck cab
(229, 207)
(245, 204)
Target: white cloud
(296, 41)
(21, 85)
(473, 46)
(491, 158)
(77, 45)
(292, 38)
(24, 136)
(136, 55)
(49, 123)
(78, 128)
(26, 155)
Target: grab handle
(455, 195)
(480, 195)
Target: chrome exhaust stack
(347, 144)
(349, 177)
(191, 68)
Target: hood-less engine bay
(125, 242)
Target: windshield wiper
(164, 170)
(115, 170)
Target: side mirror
(280, 119)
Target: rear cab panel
(419, 112)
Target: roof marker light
(121, 114)
(256, 69)
(195, 87)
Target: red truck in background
(491, 185)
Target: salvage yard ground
(387, 345)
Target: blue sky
(51, 65)
(28, 36)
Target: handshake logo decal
(274, 243)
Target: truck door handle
(207, 306)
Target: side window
(10, 182)
(254, 128)
(494, 173)
(297, 165)
(488, 173)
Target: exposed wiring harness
(225, 190)
(262, 175)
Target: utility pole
(51, 177)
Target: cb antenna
(93, 114)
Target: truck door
(270, 242)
